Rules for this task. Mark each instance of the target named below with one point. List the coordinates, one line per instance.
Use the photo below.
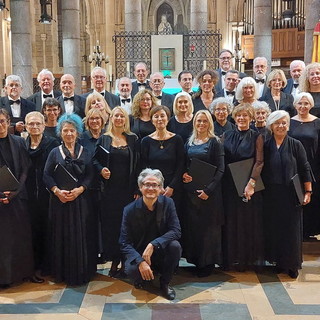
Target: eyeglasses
(282, 124)
(221, 110)
(94, 119)
(3, 121)
(151, 185)
(225, 58)
(99, 77)
(14, 85)
(52, 110)
(34, 124)
(146, 99)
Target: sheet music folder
(103, 156)
(298, 188)
(202, 174)
(64, 179)
(8, 182)
(241, 173)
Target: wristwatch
(252, 183)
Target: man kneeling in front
(149, 235)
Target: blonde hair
(210, 132)
(96, 96)
(126, 128)
(273, 74)
(136, 112)
(244, 82)
(176, 99)
(93, 112)
(247, 107)
(304, 84)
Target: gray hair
(260, 58)
(95, 69)
(257, 105)
(13, 78)
(44, 72)
(34, 114)
(150, 172)
(275, 116)
(297, 63)
(218, 101)
(246, 81)
(185, 95)
(301, 95)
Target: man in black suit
(16, 106)
(157, 83)
(149, 234)
(125, 88)
(141, 73)
(46, 81)
(185, 79)
(69, 101)
(98, 80)
(225, 65)
(260, 68)
(231, 81)
(296, 68)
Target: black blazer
(135, 87)
(36, 98)
(286, 102)
(167, 100)
(79, 105)
(289, 87)
(112, 100)
(26, 107)
(132, 227)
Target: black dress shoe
(168, 292)
(139, 284)
(293, 273)
(34, 279)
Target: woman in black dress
(202, 99)
(164, 150)
(16, 256)
(220, 109)
(39, 147)
(181, 122)
(284, 157)
(72, 252)
(261, 113)
(204, 208)
(243, 237)
(118, 170)
(140, 120)
(274, 96)
(51, 110)
(305, 127)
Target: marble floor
(222, 296)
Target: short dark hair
(158, 108)
(5, 113)
(184, 72)
(225, 50)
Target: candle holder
(97, 56)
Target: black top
(183, 129)
(88, 141)
(198, 104)
(141, 128)
(219, 129)
(6, 158)
(51, 132)
(309, 134)
(166, 155)
(316, 109)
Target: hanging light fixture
(46, 11)
(289, 13)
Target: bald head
(157, 83)
(67, 85)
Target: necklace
(200, 141)
(161, 142)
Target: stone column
(263, 29)
(133, 15)
(21, 43)
(198, 15)
(71, 40)
(312, 9)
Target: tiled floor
(222, 296)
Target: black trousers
(163, 261)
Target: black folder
(202, 174)
(8, 182)
(241, 173)
(103, 156)
(298, 188)
(64, 179)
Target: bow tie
(230, 93)
(102, 93)
(14, 101)
(68, 98)
(159, 97)
(141, 84)
(259, 80)
(223, 73)
(296, 85)
(125, 100)
(47, 96)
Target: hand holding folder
(64, 179)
